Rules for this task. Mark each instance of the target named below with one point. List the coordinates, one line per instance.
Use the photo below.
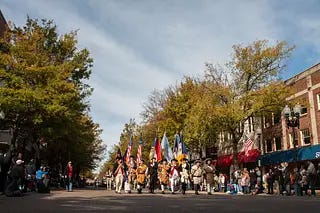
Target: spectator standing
(222, 181)
(69, 176)
(270, 181)
(312, 177)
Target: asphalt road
(108, 201)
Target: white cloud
(141, 45)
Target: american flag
(247, 146)
(129, 150)
(139, 153)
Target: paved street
(107, 201)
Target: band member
(174, 176)
(153, 174)
(131, 174)
(163, 174)
(209, 171)
(118, 173)
(184, 173)
(196, 174)
(141, 175)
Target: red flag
(157, 148)
(247, 146)
(129, 150)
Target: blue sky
(143, 45)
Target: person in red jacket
(69, 176)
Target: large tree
(43, 88)
(252, 86)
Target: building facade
(278, 139)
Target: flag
(176, 145)
(128, 151)
(167, 152)
(139, 153)
(118, 154)
(182, 151)
(247, 146)
(183, 145)
(157, 149)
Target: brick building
(277, 138)
(3, 24)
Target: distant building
(5, 135)
(273, 142)
(3, 24)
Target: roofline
(2, 16)
(303, 74)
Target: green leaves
(44, 91)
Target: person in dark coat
(16, 180)
(286, 179)
(153, 174)
(270, 181)
(5, 161)
(278, 180)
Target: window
(276, 117)
(269, 145)
(305, 136)
(291, 140)
(278, 143)
(318, 101)
(304, 110)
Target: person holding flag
(174, 176)
(184, 169)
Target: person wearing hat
(174, 175)
(118, 173)
(131, 174)
(141, 175)
(153, 174)
(209, 171)
(184, 169)
(197, 174)
(163, 174)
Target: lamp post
(293, 120)
(259, 133)
(2, 115)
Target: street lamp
(2, 115)
(259, 132)
(292, 119)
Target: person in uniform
(141, 175)
(184, 169)
(196, 174)
(118, 173)
(174, 176)
(109, 179)
(163, 174)
(209, 171)
(153, 174)
(131, 173)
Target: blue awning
(309, 153)
(304, 153)
(277, 157)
